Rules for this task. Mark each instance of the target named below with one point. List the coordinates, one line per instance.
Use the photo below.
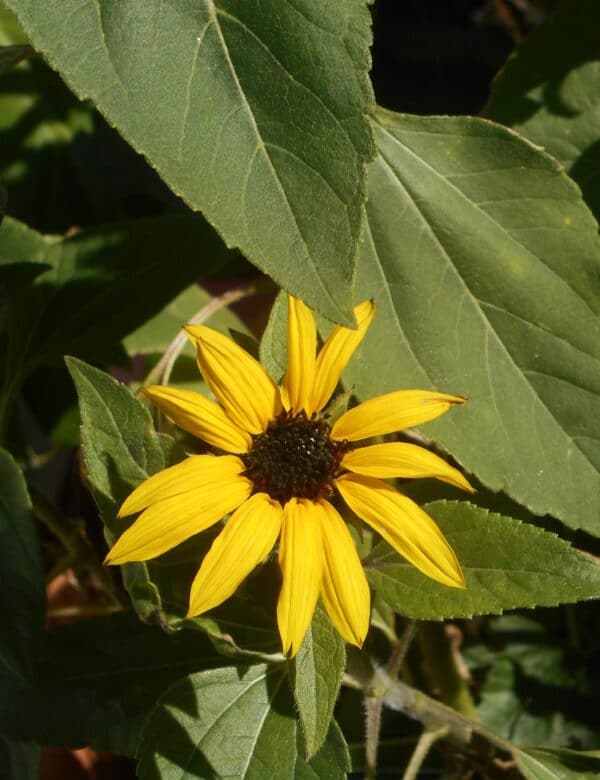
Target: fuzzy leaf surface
(545, 764)
(484, 263)
(255, 114)
(507, 564)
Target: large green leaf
(544, 764)
(485, 266)
(506, 563)
(234, 722)
(317, 675)
(22, 583)
(104, 676)
(254, 113)
(550, 92)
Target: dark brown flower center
(294, 457)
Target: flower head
(280, 466)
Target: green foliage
(22, 595)
(234, 723)
(470, 234)
(506, 563)
(317, 676)
(548, 91)
(206, 139)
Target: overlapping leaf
(485, 266)
(550, 92)
(234, 723)
(506, 563)
(254, 113)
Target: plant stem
(426, 741)
(374, 703)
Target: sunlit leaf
(484, 264)
(317, 676)
(234, 723)
(254, 113)
(506, 563)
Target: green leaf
(549, 91)
(254, 114)
(102, 283)
(155, 335)
(517, 709)
(507, 564)
(233, 722)
(484, 263)
(317, 675)
(104, 676)
(273, 345)
(120, 450)
(545, 764)
(22, 582)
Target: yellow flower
(284, 465)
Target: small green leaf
(549, 91)
(562, 764)
(104, 676)
(256, 114)
(120, 450)
(22, 582)
(507, 564)
(273, 345)
(234, 722)
(484, 263)
(317, 675)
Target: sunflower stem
(426, 741)
(162, 370)
(362, 674)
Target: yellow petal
(336, 352)
(187, 475)
(239, 382)
(344, 588)
(247, 538)
(301, 561)
(392, 412)
(302, 347)
(398, 459)
(404, 525)
(199, 416)
(169, 522)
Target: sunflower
(280, 465)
